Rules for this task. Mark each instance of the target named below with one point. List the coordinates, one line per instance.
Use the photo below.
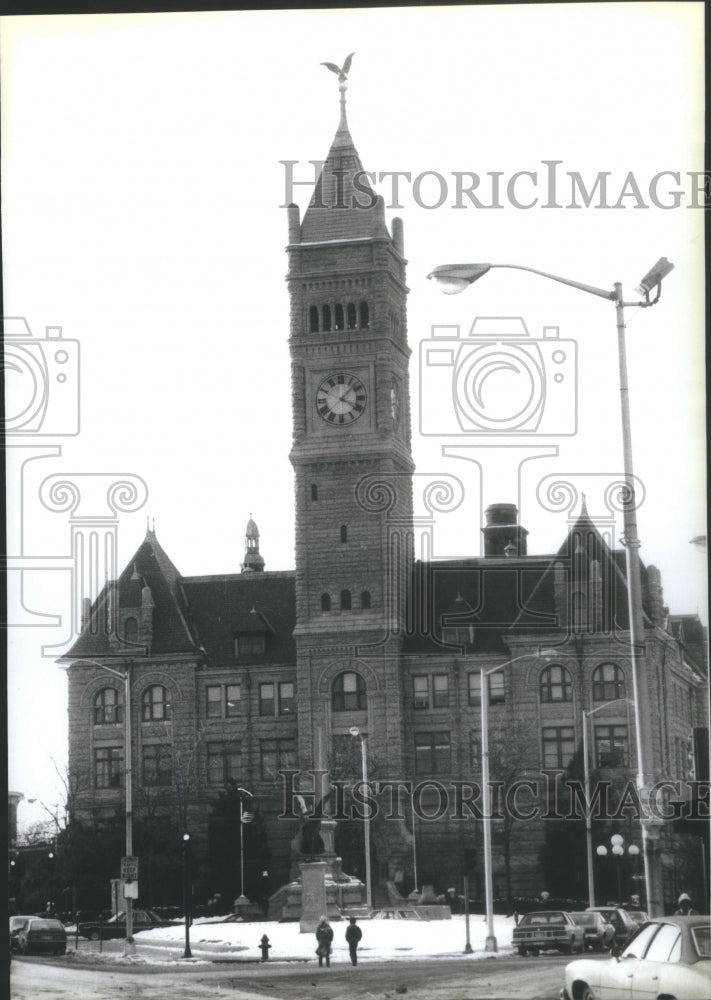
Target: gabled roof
(488, 593)
(223, 607)
(583, 545)
(172, 632)
(500, 596)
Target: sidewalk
(239, 943)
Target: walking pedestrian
(324, 937)
(353, 936)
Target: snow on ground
(382, 939)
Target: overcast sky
(144, 187)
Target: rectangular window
(475, 751)
(224, 761)
(287, 698)
(266, 699)
(222, 700)
(496, 688)
(250, 645)
(421, 697)
(474, 681)
(233, 694)
(558, 745)
(157, 765)
(433, 753)
(214, 701)
(108, 767)
(440, 691)
(276, 755)
(611, 746)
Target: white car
(670, 958)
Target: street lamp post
(244, 817)
(588, 816)
(50, 904)
(129, 947)
(455, 278)
(617, 842)
(186, 893)
(491, 943)
(354, 731)
(414, 844)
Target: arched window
(325, 602)
(348, 693)
(130, 630)
(156, 707)
(352, 314)
(365, 600)
(344, 533)
(326, 312)
(364, 316)
(314, 491)
(313, 319)
(108, 707)
(345, 600)
(555, 684)
(339, 324)
(608, 683)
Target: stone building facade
(236, 680)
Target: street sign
(129, 869)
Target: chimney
(503, 536)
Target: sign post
(129, 877)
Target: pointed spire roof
(253, 561)
(344, 205)
(150, 567)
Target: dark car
(548, 929)
(41, 935)
(115, 927)
(620, 919)
(599, 934)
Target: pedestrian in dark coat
(353, 936)
(324, 936)
(685, 907)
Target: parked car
(599, 934)
(41, 935)
(548, 929)
(115, 927)
(668, 957)
(639, 916)
(16, 924)
(620, 919)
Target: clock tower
(352, 460)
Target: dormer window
(250, 645)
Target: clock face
(340, 399)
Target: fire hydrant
(265, 946)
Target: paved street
(441, 979)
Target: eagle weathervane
(342, 74)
